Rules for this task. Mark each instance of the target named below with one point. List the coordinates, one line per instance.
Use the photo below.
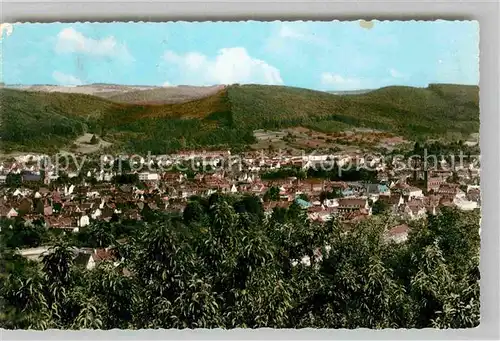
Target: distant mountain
(37, 120)
(351, 92)
(130, 93)
(101, 90)
(164, 95)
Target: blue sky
(316, 55)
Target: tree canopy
(225, 263)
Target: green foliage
(39, 121)
(13, 180)
(46, 121)
(272, 194)
(127, 178)
(334, 173)
(338, 174)
(283, 173)
(380, 207)
(15, 233)
(63, 178)
(334, 194)
(193, 212)
(411, 112)
(303, 196)
(225, 264)
(99, 234)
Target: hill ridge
(228, 116)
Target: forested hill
(38, 121)
(405, 110)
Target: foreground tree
(225, 263)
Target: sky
(317, 55)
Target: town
(348, 188)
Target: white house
(97, 213)
(331, 202)
(282, 189)
(83, 221)
(415, 211)
(315, 158)
(86, 260)
(12, 213)
(460, 194)
(246, 178)
(93, 194)
(413, 192)
(211, 191)
(323, 215)
(465, 204)
(146, 176)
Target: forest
(335, 173)
(226, 263)
(38, 121)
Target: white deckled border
(30, 12)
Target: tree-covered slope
(164, 95)
(40, 120)
(412, 112)
(43, 120)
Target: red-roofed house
(397, 234)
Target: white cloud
(287, 31)
(289, 38)
(71, 41)
(231, 65)
(338, 82)
(65, 79)
(192, 61)
(167, 84)
(396, 74)
(7, 28)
